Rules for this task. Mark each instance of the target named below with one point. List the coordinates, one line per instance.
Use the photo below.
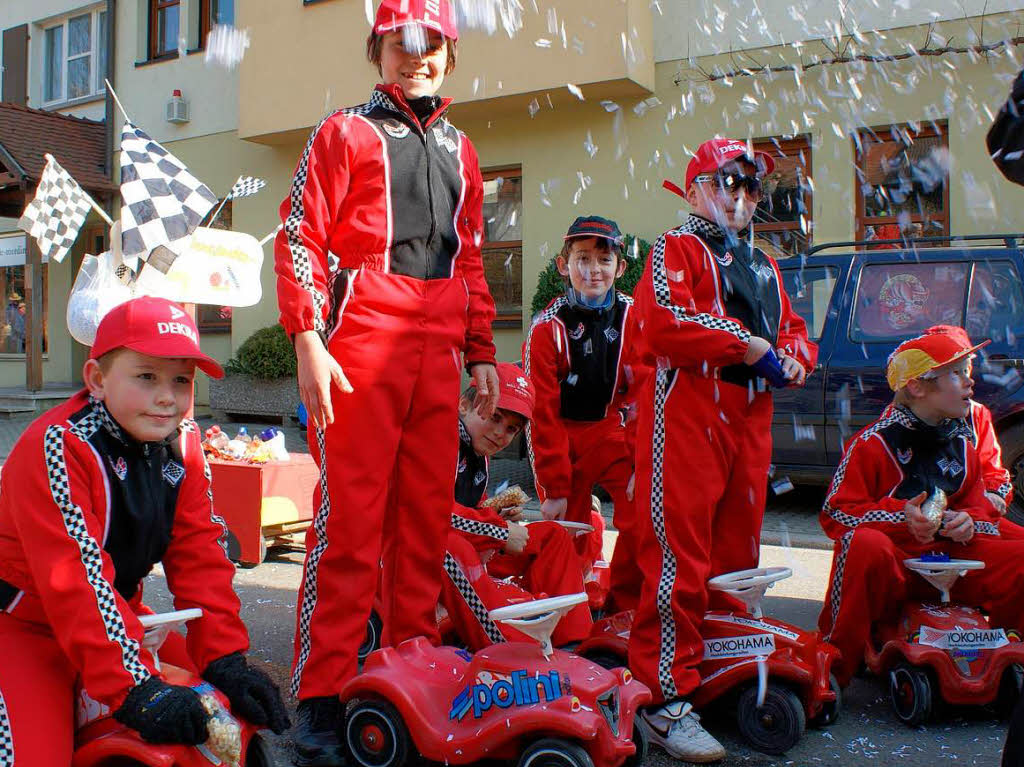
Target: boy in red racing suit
(717, 327)
(381, 284)
(873, 507)
(577, 356)
(539, 556)
(94, 494)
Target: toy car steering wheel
(159, 625)
(578, 527)
(942, 574)
(538, 617)
(749, 586)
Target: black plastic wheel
(640, 740)
(371, 642)
(1012, 441)
(910, 690)
(830, 711)
(376, 735)
(605, 659)
(555, 752)
(775, 727)
(1011, 687)
(259, 753)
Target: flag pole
(276, 229)
(103, 214)
(116, 100)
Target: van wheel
(1013, 451)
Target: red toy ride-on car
(946, 651)
(513, 702)
(779, 675)
(102, 741)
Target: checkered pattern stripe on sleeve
(246, 186)
(545, 316)
(473, 527)
(90, 552)
(465, 587)
(663, 294)
(6, 737)
(56, 214)
(836, 596)
(162, 202)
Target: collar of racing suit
(118, 433)
(945, 431)
(392, 97)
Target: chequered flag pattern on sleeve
(473, 527)
(56, 213)
(6, 738)
(161, 201)
(246, 186)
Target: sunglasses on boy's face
(731, 182)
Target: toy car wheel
(639, 738)
(555, 752)
(911, 692)
(775, 727)
(1011, 687)
(376, 735)
(374, 631)
(606, 660)
(259, 753)
(830, 711)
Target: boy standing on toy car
(542, 554)
(716, 324)
(95, 493)
(873, 509)
(576, 356)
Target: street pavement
(867, 732)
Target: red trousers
(703, 451)
(869, 584)
(399, 344)
(548, 566)
(601, 457)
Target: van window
(896, 301)
(996, 306)
(810, 293)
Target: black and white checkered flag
(57, 212)
(245, 186)
(161, 201)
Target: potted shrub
(260, 380)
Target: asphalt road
(866, 734)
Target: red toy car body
(947, 650)
(506, 702)
(798, 686)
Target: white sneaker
(676, 728)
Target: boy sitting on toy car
(541, 555)
(873, 509)
(94, 494)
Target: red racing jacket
(893, 460)
(85, 513)
(701, 298)
(375, 190)
(584, 370)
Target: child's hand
(757, 347)
(998, 502)
(792, 369)
(511, 513)
(485, 376)
(317, 370)
(958, 526)
(922, 528)
(554, 508)
(518, 537)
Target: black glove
(164, 713)
(251, 693)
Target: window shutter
(15, 63)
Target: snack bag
(225, 741)
(512, 496)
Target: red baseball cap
(433, 14)
(515, 392)
(916, 356)
(713, 154)
(155, 327)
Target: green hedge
(266, 354)
(551, 285)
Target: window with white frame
(75, 57)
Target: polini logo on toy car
(517, 689)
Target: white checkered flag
(57, 212)
(246, 186)
(162, 202)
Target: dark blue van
(860, 299)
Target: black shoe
(316, 734)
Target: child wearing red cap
(717, 326)
(577, 356)
(381, 285)
(873, 507)
(539, 556)
(94, 494)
